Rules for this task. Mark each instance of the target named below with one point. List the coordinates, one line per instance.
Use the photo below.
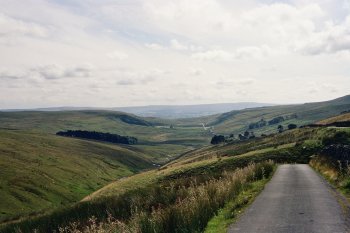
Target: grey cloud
(10, 76)
(126, 82)
(59, 72)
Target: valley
(45, 176)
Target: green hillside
(300, 114)
(196, 170)
(43, 171)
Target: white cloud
(154, 46)
(196, 72)
(11, 27)
(117, 55)
(333, 39)
(214, 55)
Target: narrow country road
(295, 200)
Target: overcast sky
(140, 52)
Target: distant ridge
(163, 111)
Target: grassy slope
(33, 151)
(214, 158)
(291, 146)
(238, 121)
(42, 171)
(339, 118)
(50, 122)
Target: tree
(232, 135)
(241, 137)
(280, 128)
(246, 134)
(292, 126)
(217, 139)
(252, 135)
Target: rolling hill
(162, 111)
(300, 114)
(42, 171)
(194, 170)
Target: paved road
(295, 200)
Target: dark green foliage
(258, 124)
(292, 126)
(106, 137)
(276, 120)
(280, 128)
(217, 139)
(133, 120)
(338, 138)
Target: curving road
(295, 200)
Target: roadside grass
(181, 205)
(340, 180)
(233, 209)
(334, 167)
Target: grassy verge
(231, 211)
(340, 180)
(181, 205)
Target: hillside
(162, 111)
(238, 121)
(210, 164)
(339, 118)
(188, 111)
(41, 171)
(148, 131)
(68, 166)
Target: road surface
(295, 200)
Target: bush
(338, 138)
(292, 126)
(217, 139)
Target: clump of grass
(178, 207)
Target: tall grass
(177, 207)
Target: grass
(232, 210)
(181, 205)
(178, 174)
(334, 166)
(339, 118)
(41, 171)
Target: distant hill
(162, 111)
(238, 121)
(188, 111)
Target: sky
(109, 53)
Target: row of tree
(276, 120)
(106, 137)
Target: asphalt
(295, 200)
